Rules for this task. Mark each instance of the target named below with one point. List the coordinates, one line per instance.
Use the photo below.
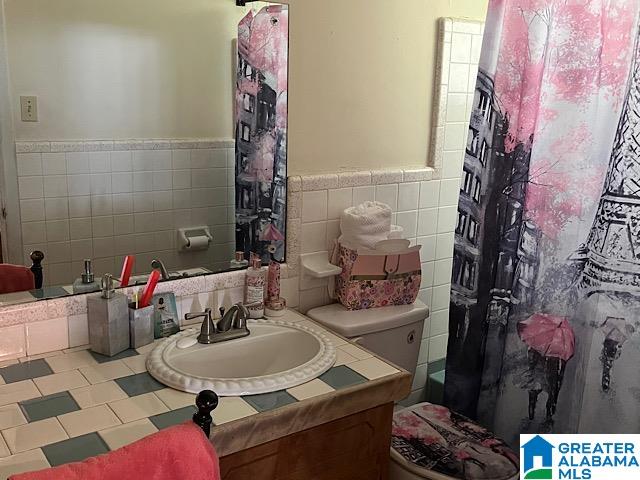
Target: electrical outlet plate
(29, 108)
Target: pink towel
(177, 453)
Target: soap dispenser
(239, 261)
(108, 317)
(86, 283)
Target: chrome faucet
(235, 317)
(233, 324)
(158, 265)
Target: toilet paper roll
(198, 243)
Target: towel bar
(206, 401)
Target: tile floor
(75, 404)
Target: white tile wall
(415, 198)
(125, 201)
(460, 43)
(67, 317)
(47, 335)
(12, 343)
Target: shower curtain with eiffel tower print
(544, 324)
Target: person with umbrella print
(550, 342)
(616, 331)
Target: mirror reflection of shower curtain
(545, 299)
(261, 133)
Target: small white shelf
(317, 265)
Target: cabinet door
(351, 448)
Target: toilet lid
(430, 439)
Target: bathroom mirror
(153, 128)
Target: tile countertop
(66, 406)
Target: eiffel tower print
(611, 254)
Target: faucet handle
(207, 329)
(191, 316)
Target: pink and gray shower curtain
(545, 300)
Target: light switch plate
(29, 108)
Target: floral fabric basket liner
(389, 275)
(448, 445)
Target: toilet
(428, 441)
(393, 333)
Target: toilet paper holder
(194, 239)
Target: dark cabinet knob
(37, 257)
(206, 401)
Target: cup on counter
(141, 321)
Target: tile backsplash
(423, 205)
(107, 199)
(34, 330)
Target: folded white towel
(365, 225)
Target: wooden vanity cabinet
(350, 448)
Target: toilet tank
(394, 333)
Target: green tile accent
(269, 401)
(25, 371)
(436, 366)
(138, 384)
(75, 449)
(342, 377)
(435, 387)
(169, 419)
(49, 406)
(104, 359)
(437, 377)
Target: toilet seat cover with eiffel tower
(430, 439)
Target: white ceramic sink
(275, 356)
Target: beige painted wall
(123, 68)
(362, 74)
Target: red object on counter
(127, 267)
(147, 293)
(15, 278)
(179, 452)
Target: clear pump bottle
(255, 286)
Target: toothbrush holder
(107, 318)
(141, 322)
